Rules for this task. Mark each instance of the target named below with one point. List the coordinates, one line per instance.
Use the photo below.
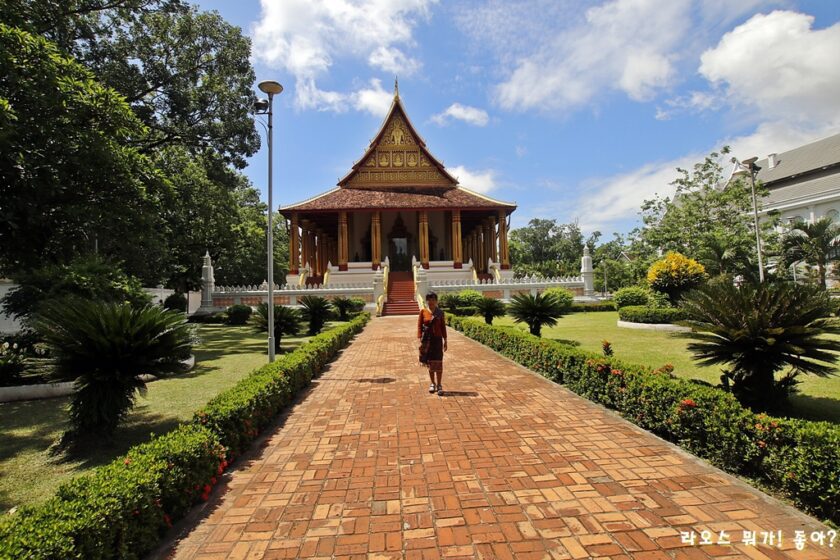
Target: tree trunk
(821, 268)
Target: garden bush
(175, 302)
(464, 303)
(632, 295)
(594, 307)
(563, 296)
(213, 318)
(798, 458)
(238, 314)
(11, 363)
(122, 509)
(675, 274)
(653, 315)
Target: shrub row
(600, 306)
(798, 458)
(645, 314)
(122, 509)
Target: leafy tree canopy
(186, 73)
(70, 178)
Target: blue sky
(573, 110)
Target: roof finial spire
(396, 87)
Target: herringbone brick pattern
(505, 465)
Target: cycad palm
(286, 322)
(812, 243)
(490, 308)
(535, 311)
(105, 348)
(316, 310)
(758, 330)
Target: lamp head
(261, 106)
(750, 161)
(270, 87)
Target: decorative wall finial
(396, 87)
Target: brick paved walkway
(506, 465)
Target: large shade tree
(71, 180)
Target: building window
(833, 214)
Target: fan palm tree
(490, 308)
(536, 311)
(812, 243)
(106, 348)
(317, 310)
(286, 322)
(759, 329)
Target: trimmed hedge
(798, 458)
(631, 295)
(122, 509)
(586, 307)
(654, 315)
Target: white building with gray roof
(803, 183)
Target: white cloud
(374, 99)
(470, 115)
(306, 37)
(478, 181)
(778, 66)
(393, 60)
(774, 68)
(628, 45)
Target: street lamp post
(749, 166)
(271, 88)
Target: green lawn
(818, 399)
(27, 429)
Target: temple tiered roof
(397, 171)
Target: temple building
(397, 205)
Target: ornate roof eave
(397, 104)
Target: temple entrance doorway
(399, 241)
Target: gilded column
(456, 238)
(504, 254)
(343, 246)
(424, 239)
(375, 240)
(294, 245)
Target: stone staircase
(400, 295)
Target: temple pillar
(343, 241)
(456, 238)
(480, 248)
(376, 240)
(304, 242)
(294, 245)
(319, 251)
(491, 235)
(424, 239)
(504, 254)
